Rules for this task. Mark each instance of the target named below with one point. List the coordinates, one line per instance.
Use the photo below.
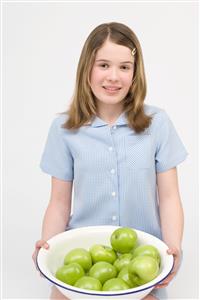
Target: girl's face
(112, 73)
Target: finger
(173, 251)
(45, 246)
(35, 263)
(166, 281)
(177, 258)
(41, 244)
(161, 286)
(176, 265)
(169, 277)
(33, 256)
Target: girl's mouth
(111, 89)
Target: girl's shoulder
(60, 119)
(152, 110)
(158, 114)
(159, 117)
(58, 122)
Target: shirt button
(110, 148)
(113, 194)
(112, 171)
(114, 218)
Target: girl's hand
(177, 259)
(39, 244)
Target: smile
(112, 88)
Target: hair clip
(133, 51)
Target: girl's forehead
(111, 50)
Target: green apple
(115, 284)
(123, 260)
(123, 239)
(136, 245)
(102, 253)
(149, 250)
(124, 274)
(70, 273)
(103, 271)
(89, 283)
(80, 256)
(143, 269)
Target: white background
(41, 48)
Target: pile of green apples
(125, 265)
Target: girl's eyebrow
(123, 62)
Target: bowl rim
(71, 288)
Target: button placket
(113, 129)
(113, 172)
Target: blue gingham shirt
(113, 169)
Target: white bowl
(50, 260)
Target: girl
(119, 154)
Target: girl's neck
(109, 113)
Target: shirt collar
(98, 122)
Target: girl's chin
(109, 101)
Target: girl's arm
(171, 216)
(58, 211)
(171, 211)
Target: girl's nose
(113, 74)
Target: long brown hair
(83, 108)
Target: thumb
(172, 251)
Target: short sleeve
(170, 150)
(56, 159)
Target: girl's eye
(124, 67)
(104, 66)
